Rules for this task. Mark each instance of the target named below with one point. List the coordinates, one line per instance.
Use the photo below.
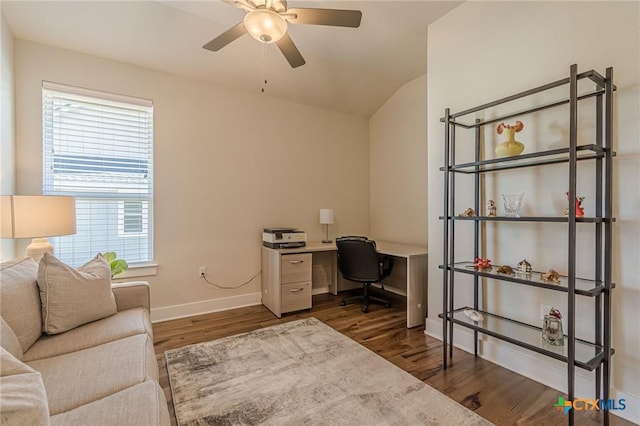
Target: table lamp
(326, 218)
(37, 217)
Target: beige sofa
(100, 373)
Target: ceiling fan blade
(290, 51)
(241, 4)
(226, 37)
(333, 17)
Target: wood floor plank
(495, 393)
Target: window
(98, 147)
(131, 218)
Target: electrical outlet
(544, 310)
(202, 271)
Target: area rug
(301, 373)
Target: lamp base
(37, 248)
(326, 234)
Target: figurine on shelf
(505, 269)
(552, 328)
(473, 315)
(491, 207)
(579, 208)
(510, 146)
(555, 313)
(468, 213)
(551, 275)
(482, 263)
(524, 267)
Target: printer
(278, 238)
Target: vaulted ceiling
(347, 70)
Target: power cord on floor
(203, 275)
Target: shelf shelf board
(552, 219)
(587, 355)
(592, 75)
(553, 156)
(541, 107)
(584, 287)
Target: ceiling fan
(266, 21)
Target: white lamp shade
(30, 216)
(326, 216)
(265, 25)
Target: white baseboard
(166, 313)
(540, 368)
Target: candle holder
(552, 328)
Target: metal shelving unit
(591, 356)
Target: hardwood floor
(495, 393)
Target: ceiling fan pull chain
(264, 65)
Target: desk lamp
(37, 217)
(326, 218)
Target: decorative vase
(510, 146)
(513, 204)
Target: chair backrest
(358, 259)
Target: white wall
(483, 51)
(227, 164)
(7, 126)
(398, 166)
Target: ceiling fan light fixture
(265, 25)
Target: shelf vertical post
(476, 231)
(608, 214)
(445, 241)
(571, 296)
(598, 242)
(452, 231)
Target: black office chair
(359, 261)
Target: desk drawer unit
(296, 296)
(295, 281)
(295, 268)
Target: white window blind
(98, 147)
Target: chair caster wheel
(365, 308)
(387, 305)
(342, 303)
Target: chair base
(366, 300)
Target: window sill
(138, 270)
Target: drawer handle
(296, 290)
(295, 262)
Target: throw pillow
(23, 400)
(20, 299)
(9, 340)
(73, 297)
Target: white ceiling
(348, 70)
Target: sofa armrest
(132, 294)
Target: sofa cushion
(20, 299)
(81, 377)
(123, 324)
(23, 400)
(9, 340)
(140, 405)
(72, 297)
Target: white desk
(408, 277)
